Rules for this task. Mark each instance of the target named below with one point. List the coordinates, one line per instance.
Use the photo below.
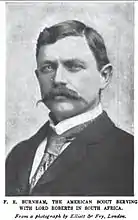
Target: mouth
(60, 97)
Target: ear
(106, 75)
(36, 72)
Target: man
(96, 157)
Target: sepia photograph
(69, 99)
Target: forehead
(71, 47)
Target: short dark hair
(75, 28)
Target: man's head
(72, 68)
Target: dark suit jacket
(99, 162)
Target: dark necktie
(53, 149)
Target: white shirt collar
(69, 123)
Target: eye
(48, 68)
(75, 68)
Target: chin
(64, 110)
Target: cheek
(87, 85)
(45, 84)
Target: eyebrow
(49, 62)
(74, 61)
(65, 62)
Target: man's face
(68, 77)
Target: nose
(60, 75)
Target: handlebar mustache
(61, 92)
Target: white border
(132, 210)
(136, 100)
(2, 95)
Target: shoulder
(110, 139)
(29, 144)
(122, 137)
(114, 132)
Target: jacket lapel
(77, 150)
(25, 163)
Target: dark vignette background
(115, 22)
